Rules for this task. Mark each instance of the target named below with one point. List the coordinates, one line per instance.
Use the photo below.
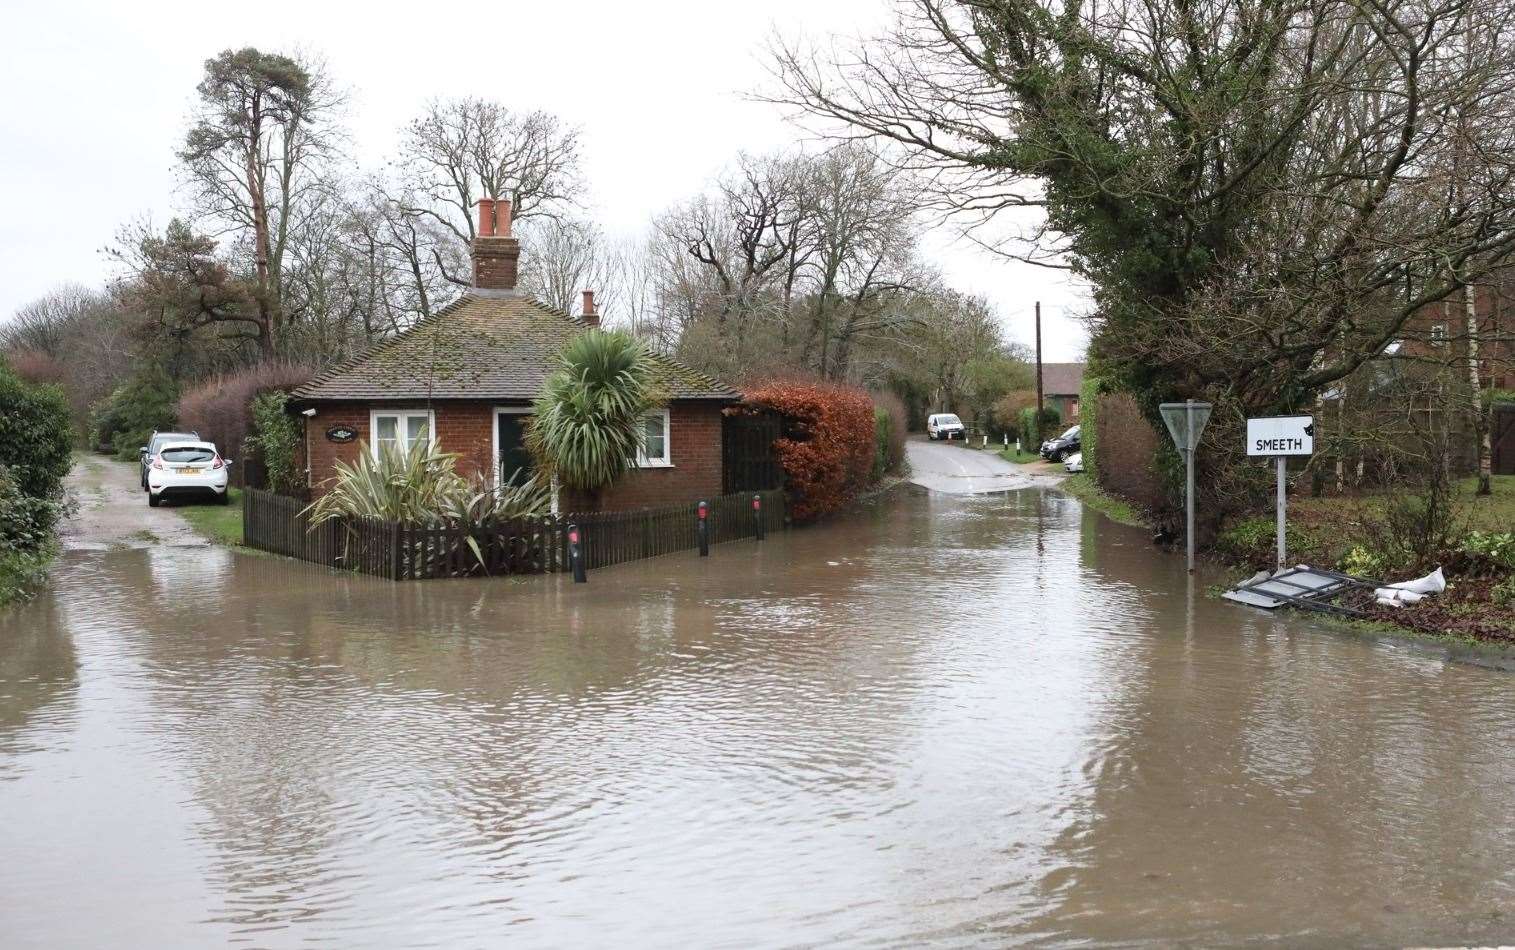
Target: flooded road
(952, 721)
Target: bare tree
(461, 150)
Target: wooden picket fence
(408, 551)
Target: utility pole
(1038, 361)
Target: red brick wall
(464, 427)
(695, 450)
(467, 429)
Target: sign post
(1280, 437)
(1185, 421)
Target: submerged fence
(408, 551)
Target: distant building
(1061, 383)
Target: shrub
(1495, 547)
(129, 415)
(588, 421)
(35, 437)
(891, 443)
(276, 440)
(1503, 593)
(1361, 562)
(827, 449)
(1088, 405)
(221, 408)
(1008, 409)
(422, 486)
(26, 537)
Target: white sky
(96, 95)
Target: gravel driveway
(111, 513)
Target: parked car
(1055, 450)
(1075, 462)
(944, 425)
(158, 440)
(187, 469)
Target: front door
(514, 459)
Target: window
(399, 430)
(655, 453)
(186, 454)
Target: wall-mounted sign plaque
(341, 434)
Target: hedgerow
(827, 450)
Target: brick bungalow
(467, 375)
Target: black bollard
(757, 517)
(702, 530)
(576, 555)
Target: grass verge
(1018, 456)
(1082, 487)
(221, 523)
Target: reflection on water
(967, 721)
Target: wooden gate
(1502, 436)
(748, 460)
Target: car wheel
(152, 500)
(1057, 456)
(224, 498)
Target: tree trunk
(1480, 416)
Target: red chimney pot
(502, 217)
(486, 217)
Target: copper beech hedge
(828, 443)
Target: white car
(1075, 462)
(187, 470)
(944, 425)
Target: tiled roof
(487, 344)
(1062, 379)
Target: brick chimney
(591, 315)
(495, 253)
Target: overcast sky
(96, 96)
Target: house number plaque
(341, 434)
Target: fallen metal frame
(1317, 597)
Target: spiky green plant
(421, 485)
(588, 421)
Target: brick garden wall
(466, 428)
(1125, 447)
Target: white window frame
(666, 461)
(494, 435)
(400, 428)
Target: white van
(944, 425)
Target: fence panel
(532, 545)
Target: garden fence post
(757, 516)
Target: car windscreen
(163, 438)
(948, 421)
(186, 454)
(1070, 434)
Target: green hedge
(1088, 400)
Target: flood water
(947, 721)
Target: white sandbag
(1396, 594)
(1433, 583)
(1389, 602)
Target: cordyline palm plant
(588, 421)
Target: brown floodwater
(947, 721)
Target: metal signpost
(1185, 421)
(1279, 437)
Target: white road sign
(1281, 435)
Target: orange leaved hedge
(828, 444)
